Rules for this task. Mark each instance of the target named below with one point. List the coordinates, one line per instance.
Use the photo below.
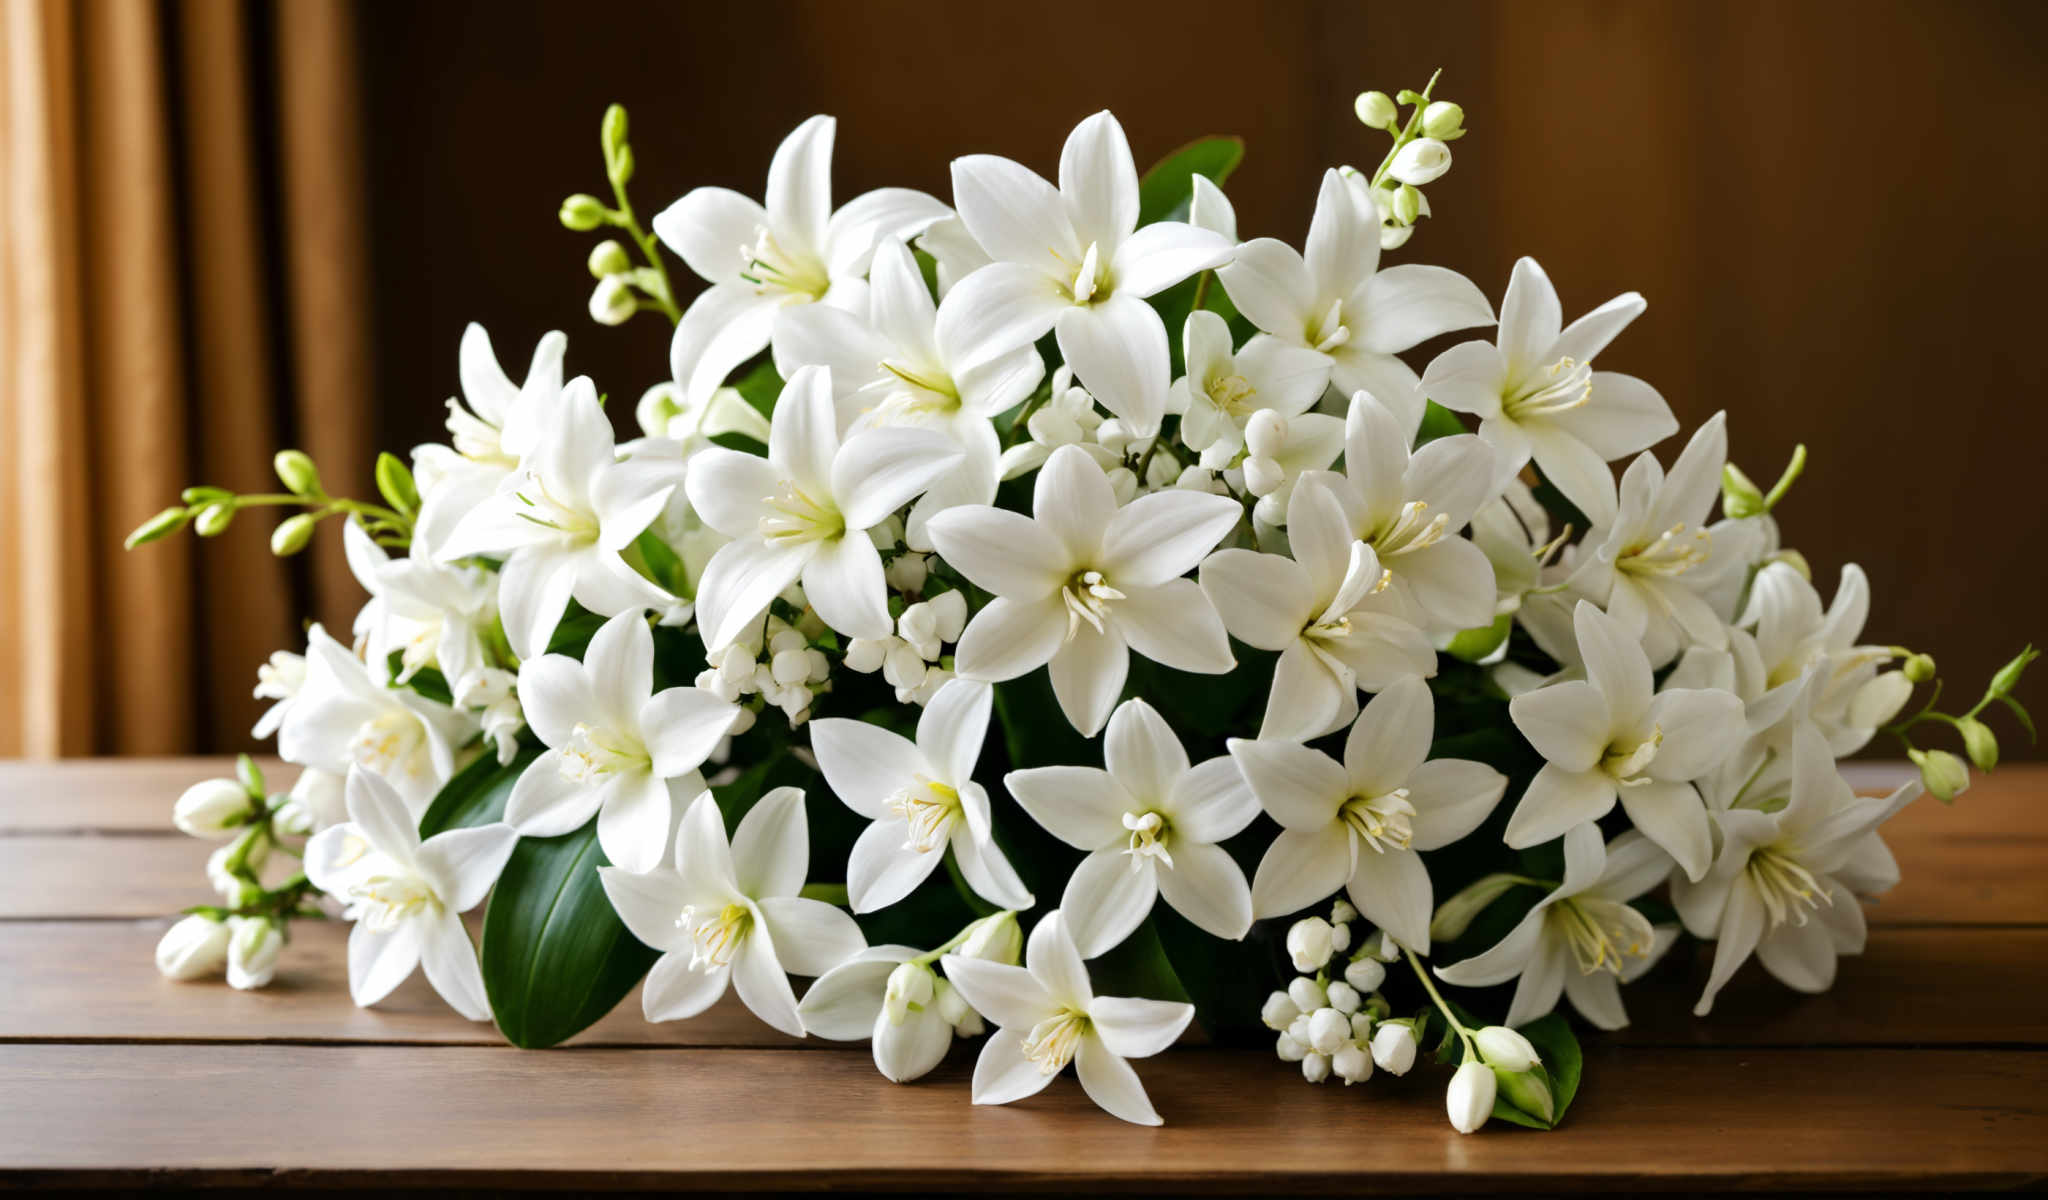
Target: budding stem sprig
(210, 510)
(1436, 998)
(1941, 771)
(1410, 131)
(644, 286)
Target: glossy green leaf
(1167, 188)
(476, 795)
(760, 387)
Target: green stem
(623, 217)
(1464, 1035)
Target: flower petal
(883, 868)
(1099, 182)
(1614, 664)
(682, 726)
(1555, 801)
(1411, 303)
(727, 489)
(707, 228)
(880, 470)
(1567, 722)
(1118, 351)
(1164, 253)
(863, 222)
(1269, 283)
(811, 936)
(758, 977)
(740, 581)
(1741, 927)
(1010, 637)
(546, 802)
(1134, 1027)
(1300, 869)
(1143, 753)
(1530, 319)
(864, 764)
(799, 197)
(1211, 801)
(1016, 216)
(1673, 816)
(1081, 806)
(674, 991)
(1000, 551)
(982, 863)
(379, 962)
(1088, 675)
(462, 864)
(910, 1050)
(1002, 1073)
(1503, 960)
(771, 849)
(1586, 337)
(619, 663)
(1052, 958)
(846, 587)
(954, 726)
(648, 905)
(842, 1004)
(1206, 886)
(1263, 599)
(1391, 889)
(1108, 896)
(1575, 468)
(1390, 738)
(1012, 997)
(1164, 535)
(1111, 1083)
(1000, 308)
(727, 324)
(1451, 797)
(1173, 625)
(1702, 728)
(633, 822)
(533, 589)
(1298, 787)
(1073, 499)
(451, 966)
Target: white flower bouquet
(1048, 615)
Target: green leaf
(663, 565)
(573, 635)
(555, 956)
(1560, 1069)
(1438, 421)
(760, 387)
(476, 795)
(1167, 188)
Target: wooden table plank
(97, 981)
(1235, 1121)
(110, 795)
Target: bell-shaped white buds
(1469, 1099)
(194, 948)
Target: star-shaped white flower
(406, 896)
(1334, 300)
(921, 798)
(426, 611)
(1582, 940)
(730, 913)
(1150, 824)
(1083, 582)
(804, 512)
(617, 749)
(904, 362)
(1606, 736)
(762, 261)
(561, 523)
(1048, 1015)
(346, 714)
(1328, 611)
(1360, 824)
(1536, 394)
(1223, 388)
(489, 436)
(1074, 257)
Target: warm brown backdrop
(1834, 207)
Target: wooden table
(1927, 1065)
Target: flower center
(1565, 385)
(777, 272)
(715, 933)
(1087, 597)
(795, 515)
(475, 438)
(1673, 553)
(1149, 832)
(1624, 763)
(1334, 625)
(1385, 822)
(1789, 891)
(1052, 1042)
(593, 753)
(1233, 394)
(573, 521)
(929, 808)
(1329, 331)
(389, 741)
(1090, 280)
(1411, 529)
(383, 901)
(938, 391)
(1603, 934)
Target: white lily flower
(1848, 699)
(1781, 884)
(1083, 582)
(907, 363)
(1582, 940)
(664, 411)
(1074, 258)
(279, 680)
(1657, 565)
(406, 896)
(1149, 824)
(617, 749)
(1359, 825)
(954, 252)
(1606, 736)
(921, 798)
(1537, 395)
(562, 523)
(1334, 300)
(763, 261)
(1048, 1015)
(347, 715)
(1329, 613)
(731, 913)
(498, 428)
(426, 611)
(863, 998)
(804, 512)
(1409, 508)
(1223, 388)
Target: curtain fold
(183, 293)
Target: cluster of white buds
(494, 692)
(1338, 1026)
(1276, 453)
(911, 659)
(612, 302)
(785, 670)
(1420, 155)
(1067, 418)
(202, 946)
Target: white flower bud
(791, 666)
(1366, 974)
(612, 302)
(1308, 944)
(1199, 479)
(194, 948)
(949, 610)
(1114, 436)
(1289, 1048)
(1265, 435)
(318, 799)
(904, 667)
(1442, 119)
(1878, 701)
(864, 654)
(785, 640)
(1315, 1067)
(1393, 237)
(1279, 1011)
(1504, 1048)
(910, 987)
(1343, 997)
(934, 679)
(996, 938)
(1124, 482)
(1405, 204)
(1421, 161)
(1469, 1100)
(1361, 1027)
(908, 572)
(1307, 995)
(1393, 1047)
(1053, 428)
(608, 258)
(954, 1010)
(213, 808)
(1263, 476)
(1375, 110)
(1340, 938)
(888, 534)
(1342, 913)
(1327, 1030)
(1352, 1064)
(919, 629)
(253, 946)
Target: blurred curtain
(182, 290)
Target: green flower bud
(1407, 204)
(1375, 110)
(203, 495)
(2008, 676)
(1919, 668)
(1943, 773)
(295, 471)
(1527, 1091)
(613, 132)
(213, 520)
(395, 484)
(292, 535)
(1740, 496)
(1504, 1049)
(584, 213)
(1444, 120)
(608, 258)
(1979, 742)
(622, 166)
(612, 302)
(165, 523)
(250, 775)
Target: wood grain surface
(1923, 1067)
